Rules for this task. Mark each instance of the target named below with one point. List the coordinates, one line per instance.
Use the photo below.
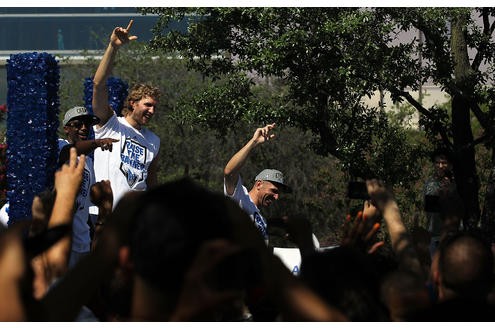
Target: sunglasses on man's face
(78, 124)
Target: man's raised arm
(233, 167)
(101, 108)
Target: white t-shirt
(81, 240)
(241, 197)
(126, 166)
(4, 215)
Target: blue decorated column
(32, 123)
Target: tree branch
(475, 142)
(428, 114)
(487, 32)
(480, 115)
(440, 58)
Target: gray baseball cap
(273, 175)
(79, 111)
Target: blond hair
(138, 92)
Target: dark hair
(172, 221)
(466, 265)
(441, 151)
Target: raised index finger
(72, 157)
(130, 25)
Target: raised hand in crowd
(67, 182)
(121, 36)
(360, 232)
(382, 198)
(81, 283)
(263, 134)
(235, 164)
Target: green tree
(330, 58)
(450, 35)
(314, 51)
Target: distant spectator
(440, 184)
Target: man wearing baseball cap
(268, 184)
(77, 125)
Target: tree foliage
(327, 58)
(330, 58)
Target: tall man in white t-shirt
(267, 187)
(134, 165)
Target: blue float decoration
(32, 123)
(117, 93)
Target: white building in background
(68, 32)
(431, 95)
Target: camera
(357, 190)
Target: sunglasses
(78, 124)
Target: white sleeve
(107, 130)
